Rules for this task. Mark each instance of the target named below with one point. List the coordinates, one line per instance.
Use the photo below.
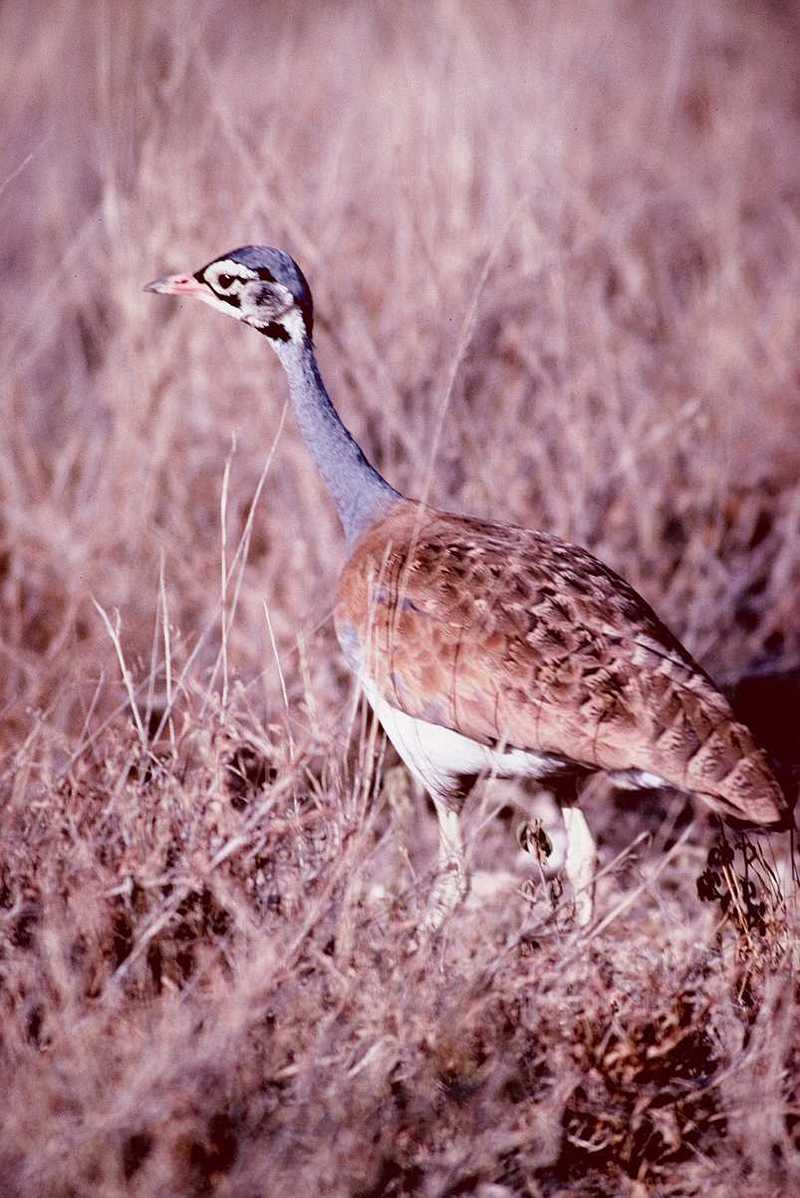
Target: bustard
(487, 648)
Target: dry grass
(210, 875)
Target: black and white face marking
(226, 279)
(258, 285)
(253, 295)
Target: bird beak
(176, 285)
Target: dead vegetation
(568, 237)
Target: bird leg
(580, 863)
(451, 883)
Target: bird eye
(224, 281)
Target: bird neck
(360, 493)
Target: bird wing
(515, 638)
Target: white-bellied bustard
(489, 648)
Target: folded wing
(513, 637)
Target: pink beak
(176, 285)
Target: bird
(492, 649)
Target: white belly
(437, 756)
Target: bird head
(261, 286)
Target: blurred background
(611, 190)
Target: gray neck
(361, 495)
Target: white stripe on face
(227, 277)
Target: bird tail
(750, 794)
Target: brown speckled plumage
(512, 636)
(486, 647)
